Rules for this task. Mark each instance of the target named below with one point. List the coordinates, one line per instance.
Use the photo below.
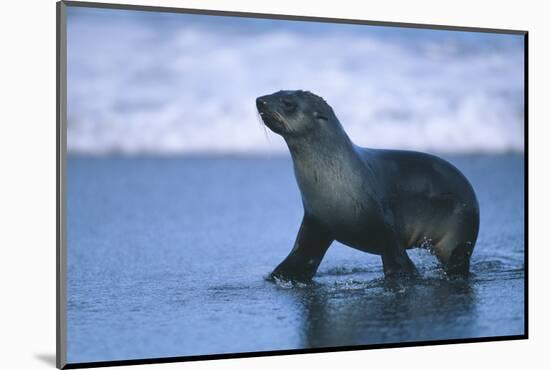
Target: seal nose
(260, 103)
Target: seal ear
(319, 116)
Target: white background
(27, 177)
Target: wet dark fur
(377, 201)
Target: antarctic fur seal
(377, 201)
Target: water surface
(167, 257)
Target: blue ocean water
(167, 257)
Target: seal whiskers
(263, 126)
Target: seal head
(295, 113)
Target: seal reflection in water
(377, 201)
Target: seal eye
(320, 116)
(288, 105)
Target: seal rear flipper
(458, 264)
(309, 249)
(455, 250)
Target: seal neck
(321, 147)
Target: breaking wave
(172, 83)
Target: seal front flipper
(309, 249)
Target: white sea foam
(138, 87)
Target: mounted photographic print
(235, 184)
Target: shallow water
(167, 257)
